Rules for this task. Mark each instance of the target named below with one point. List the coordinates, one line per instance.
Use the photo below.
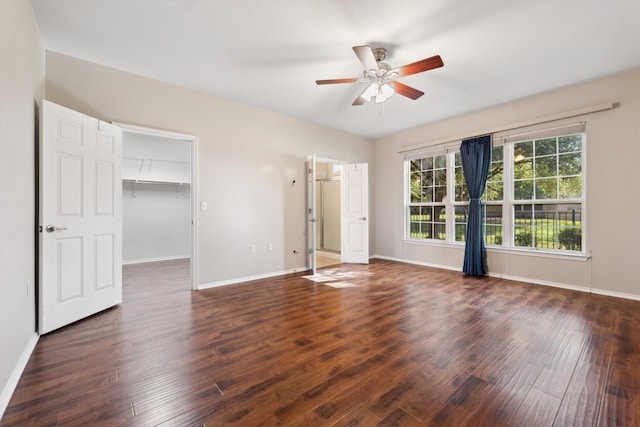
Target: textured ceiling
(268, 53)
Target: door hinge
(40, 228)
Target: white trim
(243, 280)
(578, 256)
(12, 383)
(527, 280)
(424, 264)
(142, 261)
(195, 197)
(540, 120)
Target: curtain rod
(540, 120)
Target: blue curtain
(476, 159)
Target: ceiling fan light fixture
(378, 92)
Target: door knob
(364, 218)
(51, 228)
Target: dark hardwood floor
(386, 344)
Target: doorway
(158, 191)
(328, 213)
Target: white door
(355, 213)
(311, 213)
(80, 218)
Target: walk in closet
(156, 180)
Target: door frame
(195, 217)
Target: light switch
(203, 206)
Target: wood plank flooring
(385, 344)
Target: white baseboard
(11, 385)
(169, 258)
(251, 278)
(525, 279)
(425, 264)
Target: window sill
(578, 256)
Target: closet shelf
(142, 181)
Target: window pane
(416, 165)
(427, 178)
(493, 224)
(496, 154)
(548, 226)
(523, 190)
(570, 188)
(441, 193)
(545, 147)
(461, 193)
(427, 163)
(546, 188)
(461, 213)
(567, 144)
(426, 213)
(522, 150)
(427, 194)
(494, 191)
(495, 184)
(523, 221)
(416, 187)
(440, 162)
(570, 164)
(546, 166)
(440, 177)
(439, 212)
(523, 169)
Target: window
(533, 197)
(547, 182)
(427, 215)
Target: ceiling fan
(382, 78)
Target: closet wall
(156, 194)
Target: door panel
(355, 221)
(80, 239)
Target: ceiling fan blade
(365, 55)
(335, 81)
(407, 91)
(358, 101)
(420, 66)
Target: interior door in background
(355, 213)
(80, 216)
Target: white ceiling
(268, 53)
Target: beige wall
(612, 180)
(21, 87)
(248, 160)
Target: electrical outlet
(252, 249)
